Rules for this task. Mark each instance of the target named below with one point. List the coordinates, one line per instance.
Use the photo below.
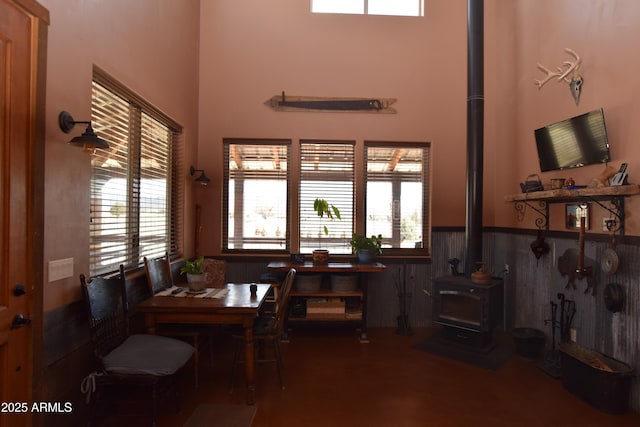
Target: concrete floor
(331, 379)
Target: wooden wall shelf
(564, 195)
(540, 200)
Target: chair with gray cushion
(159, 278)
(121, 359)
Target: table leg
(249, 363)
(364, 338)
(150, 322)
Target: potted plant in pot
(196, 277)
(324, 209)
(367, 248)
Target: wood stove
(468, 312)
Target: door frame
(34, 188)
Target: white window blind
(255, 196)
(326, 172)
(155, 188)
(397, 188)
(136, 195)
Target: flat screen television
(578, 141)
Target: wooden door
(22, 47)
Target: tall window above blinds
(370, 7)
(256, 194)
(397, 194)
(326, 172)
(136, 191)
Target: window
(136, 194)
(326, 172)
(397, 194)
(369, 7)
(271, 185)
(256, 194)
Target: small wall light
(202, 179)
(89, 141)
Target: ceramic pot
(197, 282)
(481, 277)
(365, 256)
(320, 256)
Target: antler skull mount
(570, 74)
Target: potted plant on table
(195, 273)
(324, 209)
(367, 248)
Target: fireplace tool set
(561, 323)
(404, 300)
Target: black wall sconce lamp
(202, 179)
(89, 141)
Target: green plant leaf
(193, 267)
(373, 244)
(336, 211)
(322, 208)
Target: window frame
(359, 198)
(347, 208)
(141, 112)
(425, 250)
(225, 193)
(365, 10)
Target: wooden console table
(333, 268)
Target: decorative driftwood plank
(331, 104)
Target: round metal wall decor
(609, 261)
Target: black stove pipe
(475, 132)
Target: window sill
(265, 257)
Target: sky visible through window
(369, 7)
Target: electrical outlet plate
(573, 334)
(60, 269)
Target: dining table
(235, 303)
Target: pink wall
(254, 50)
(251, 51)
(151, 46)
(605, 34)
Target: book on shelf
(325, 316)
(325, 310)
(353, 314)
(325, 305)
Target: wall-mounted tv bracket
(542, 209)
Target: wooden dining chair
(158, 272)
(123, 359)
(267, 332)
(159, 278)
(215, 270)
